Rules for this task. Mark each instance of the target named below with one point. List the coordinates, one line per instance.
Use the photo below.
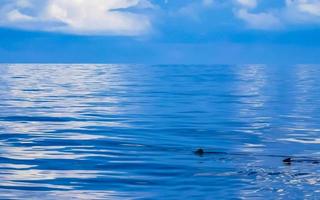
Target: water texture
(129, 131)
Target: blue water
(129, 131)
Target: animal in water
(199, 152)
(288, 160)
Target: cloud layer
(292, 12)
(128, 17)
(94, 17)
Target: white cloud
(311, 7)
(87, 17)
(207, 2)
(259, 20)
(303, 11)
(127, 17)
(293, 12)
(15, 15)
(256, 20)
(248, 3)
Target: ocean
(122, 131)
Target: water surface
(129, 131)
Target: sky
(160, 31)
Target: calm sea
(90, 131)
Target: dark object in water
(287, 161)
(199, 152)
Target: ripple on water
(129, 131)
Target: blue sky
(160, 31)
